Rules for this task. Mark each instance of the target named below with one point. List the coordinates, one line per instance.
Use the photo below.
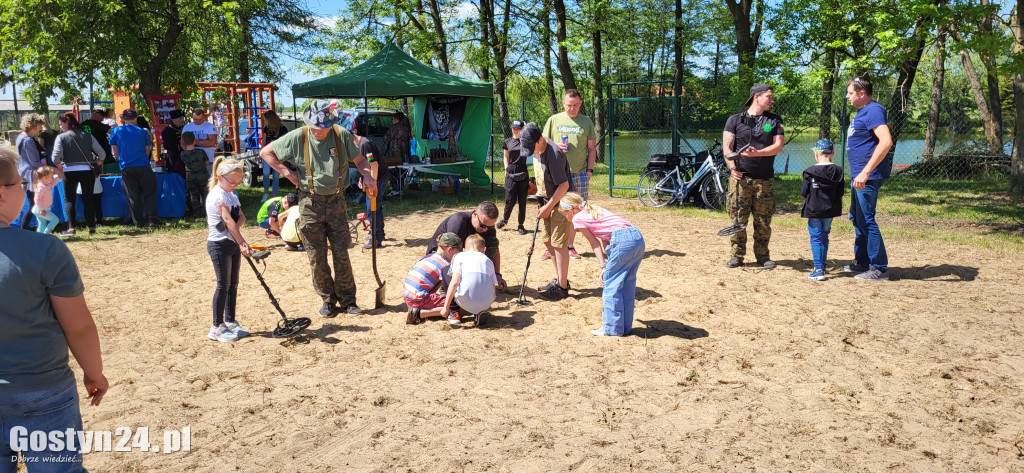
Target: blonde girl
(225, 245)
(45, 180)
(623, 250)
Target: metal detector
(286, 328)
(540, 200)
(736, 227)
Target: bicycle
(660, 186)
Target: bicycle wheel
(714, 198)
(655, 189)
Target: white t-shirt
(476, 290)
(214, 199)
(201, 132)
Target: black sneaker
(855, 268)
(734, 262)
(413, 317)
(328, 309)
(521, 230)
(554, 283)
(766, 263)
(478, 319)
(501, 224)
(352, 310)
(555, 293)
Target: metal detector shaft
(273, 300)
(529, 255)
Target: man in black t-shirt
(517, 178)
(464, 224)
(171, 137)
(372, 154)
(101, 131)
(759, 134)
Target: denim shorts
(46, 410)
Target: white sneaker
(221, 333)
(237, 329)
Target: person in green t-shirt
(321, 152)
(576, 137)
(269, 211)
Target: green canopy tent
(392, 73)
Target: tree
(748, 18)
(938, 81)
(1017, 60)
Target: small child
(196, 173)
(225, 245)
(473, 281)
(45, 180)
(424, 279)
(268, 216)
(823, 188)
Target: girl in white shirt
(225, 245)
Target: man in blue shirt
(868, 151)
(131, 146)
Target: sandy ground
(726, 369)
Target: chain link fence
(951, 174)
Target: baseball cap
(129, 114)
(757, 89)
(449, 240)
(823, 146)
(320, 114)
(529, 137)
(176, 114)
(518, 124)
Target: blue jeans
(819, 228)
(868, 247)
(48, 410)
(625, 252)
(45, 222)
(267, 172)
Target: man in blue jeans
(868, 150)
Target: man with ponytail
(623, 250)
(322, 153)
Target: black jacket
(823, 190)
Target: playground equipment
(240, 102)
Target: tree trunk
(549, 76)
(1017, 160)
(598, 92)
(932, 127)
(828, 84)
(244, 62)
(995, 105)
(746, 39)
(441, 43)
(486, 11)
(907, 68)
(564, 68)
(677, 50)
(994, 145)
(152, 71)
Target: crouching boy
(426, 277)
(473, 281)
(269, 214)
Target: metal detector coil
(286, 328)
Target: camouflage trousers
(323, 219)
(757, 197)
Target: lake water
(635, 151)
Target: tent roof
(391, 73)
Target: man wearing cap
(171, 138)
(464, 224)
(575, 135)
(757, 135)
(204, 131)
(321, 152)
(131, 146)
(517, 178)
(555, 227)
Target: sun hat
(320, 114)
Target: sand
(726, 369)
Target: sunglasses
(481, 223)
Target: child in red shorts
(426, 276)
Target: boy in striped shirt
(426, 276)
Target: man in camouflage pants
(759, 134)
(321, 152)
